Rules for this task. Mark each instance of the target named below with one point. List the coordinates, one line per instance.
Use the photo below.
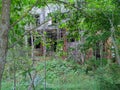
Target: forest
(59, 45)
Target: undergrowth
(68, 75)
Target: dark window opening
(72, 40)
(35, 45)
(29, 41)
(97, 51)
(54, 21)
(53, 44)
(37, 20)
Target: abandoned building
(48, 29)
(45, 24)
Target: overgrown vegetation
(80, 53)
(67, 75)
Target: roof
(43, 13)
(48, 9)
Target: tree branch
(24, 15)
(68, 4)
(73, 5)
(26, 33)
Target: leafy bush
(108, 77)
(68, 75)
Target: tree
(5, 25)
(92, 17)
(4, 28)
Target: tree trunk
(32, 47)
(5, 22)
(114, 42)
(44, 56)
